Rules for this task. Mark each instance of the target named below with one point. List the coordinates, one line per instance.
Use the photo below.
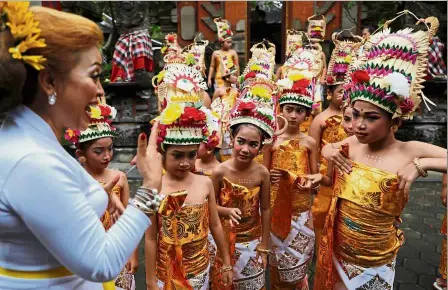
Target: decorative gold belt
(46, 274)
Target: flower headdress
(224, 31)
(180, 81)
(394, 66)
(171, 45)
(101, 116)
(301, 72)
(255, 105)
(316, 28)
(197, 50)
(261, 64)
(24, 29)
(343, 55)
(184, 125)
(294, 40)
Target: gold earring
(82, 160)
(328, 97)
(394, 128)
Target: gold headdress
(25, 31)
(261, 64)
(197, 49)
(316, 28)
(294, 40)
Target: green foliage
(155, 31)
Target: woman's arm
(151, 255)
(216, 177)
(54, 207)
(217, 94)
(236, 62)
(278, 73)
(324, 68)
(315, 131)
(206, 101)
(267, 155)
(265, 207)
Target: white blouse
(50, 210)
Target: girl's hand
(406, 176)
(276, 175)
(152, 285)
(340, 161)
(234, 215)
(227, 278)
(115, 207)
(132, 266)
(314, 178)
(262, 252)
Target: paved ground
(419, 257)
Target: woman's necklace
(373, 158)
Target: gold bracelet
(264, 251)
(420, 170)
(226, 269)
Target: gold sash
(47, 274)
(182, 243)
(286, 199)
(361, 225)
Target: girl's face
(179, 160)
(246, 143)
(295, 114)
(336, 96)
(99, 154)
(348, 121)
(370, 123)
(227, 44)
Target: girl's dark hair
(236, 128)
(85, 145)
(332, 88)
(307, 110)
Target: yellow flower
(317, 28)
(260, 92)
(348, 58)
(95, 112)
(296, 76)
(163, 49)
(35, 61)
(255, 67)
(171, 113)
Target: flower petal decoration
(398, 84)
(360, 76)
(285, 83)
(171, 113)
(246, 107)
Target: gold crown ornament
(197, 50)
(392, 71)
(294, 40)
(261, 64)
(171, 45)
(316, 28)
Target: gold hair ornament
(24, 28)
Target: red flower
(406, 106)
(250, 75)
(212, 141)
(360, 76)
(229, 32)
(300, 86)
(105, 110)
(192, 115)
(330, 80)
(170, 38)
(246, 107)
(164, 103)
(221, 39)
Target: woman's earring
(82, 160)
(394, 128)
(52, 99)
(328, 97)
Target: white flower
(398, 84)
(212, 119)
(285, 83)
(113, 112)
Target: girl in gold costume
(361, 238)
(242, 187)
(224, 59)
(177, 254)
(94, 153)
(327, 127)
(291, 159)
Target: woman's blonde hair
(65, 34)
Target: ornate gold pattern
(361, 223)
(182, 242)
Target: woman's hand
(262, 252)
(276, 175)
(406, 176)
(315, 179)
(149, 160)
(339, 160)
(234, 215)
(209, 83)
